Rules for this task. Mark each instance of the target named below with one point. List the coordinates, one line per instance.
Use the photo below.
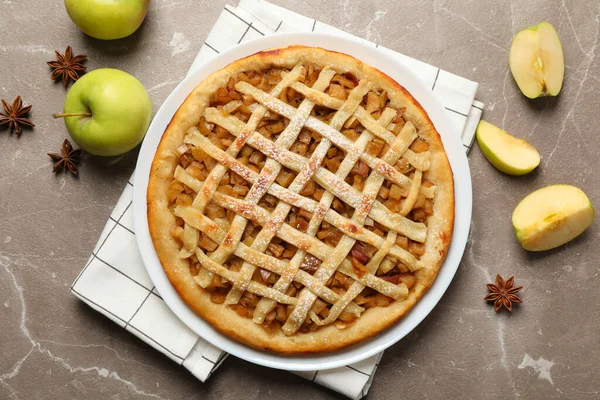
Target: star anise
(503, 294)
(67, 160)
(67, 66)
(13, 115)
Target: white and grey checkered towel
(114, 280)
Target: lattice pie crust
(300, 201)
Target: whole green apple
(107, 19)
(107, 112)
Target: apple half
(537, 62)
(551, 217)
(507, 153)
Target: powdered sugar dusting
(279, 155)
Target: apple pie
(300, 201)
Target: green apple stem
(83, 114)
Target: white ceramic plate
(367, 348)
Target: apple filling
(198, 165)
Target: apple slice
(537, 62)
(507, 153)
(552, 216)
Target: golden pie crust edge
(327, 338)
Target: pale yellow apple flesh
(507, 153)
(552, 216)
(537, 62)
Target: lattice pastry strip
(412, 195)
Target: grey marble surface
(54, 347)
